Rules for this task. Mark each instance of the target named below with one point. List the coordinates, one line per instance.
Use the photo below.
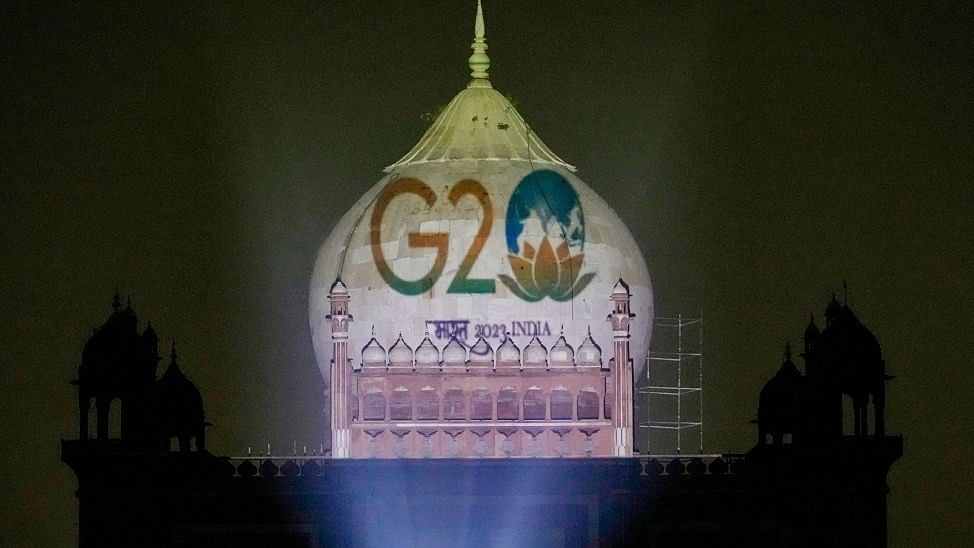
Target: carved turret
(621, 371)
(340, 368)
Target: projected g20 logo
(545, 234)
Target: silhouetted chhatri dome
(118, 376)
(480, 222)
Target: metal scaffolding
(672, 393)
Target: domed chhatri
(400, 355)
(373, 355)
(481, 353)
(479, 230)
(454, 354)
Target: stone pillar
(340, 370)
(622, 380)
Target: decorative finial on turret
(479, 62)
(116, 300)
(172, 353)
(788, 351)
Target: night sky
(196, 157)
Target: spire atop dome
(479, 123)
(479, 62)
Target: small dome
(373, 355)
(621, 288)
(454, 354)
(338, 288)
(780, 399)
(427, 354)
(589, 353)
(481, 353)
(561, 354)
(535, 354)
(178, 402)
(400, 355)
(508, 353)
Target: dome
(178, 401)
(427, 354)
(373, 355)
(455, 354)
(508, 354)
(561, 355)
(535, 354)
(480, 224)
(779, 404)
(589, 353)
(481, 353)
(400, 355)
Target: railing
(650, 465)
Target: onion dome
(178, 402)
(561, 355)
(427, 354)
(400, 355)
(338, 288)
(479, 123)
(508, 354)
(373, 355)
(851, 352)
(481, 353)
(454, 353)
(268, 469)
(535, 354)
(548, 247)
(247, 469)
(290, 468)
(779, 405)
(589, 353)
(310, 468)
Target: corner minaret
(621, 367)
(339, 318)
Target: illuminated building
(484, 279)
(391, 292)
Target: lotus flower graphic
(544, 208)
(546, 273)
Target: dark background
(198, 156)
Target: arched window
(454, 405)
(607, 405)
(374, 404)
(427, 405)
(481, 405)
(114, 419)
(534, 404)
(561, 404)
(507, 405)
(588, 404)
(401, 405)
